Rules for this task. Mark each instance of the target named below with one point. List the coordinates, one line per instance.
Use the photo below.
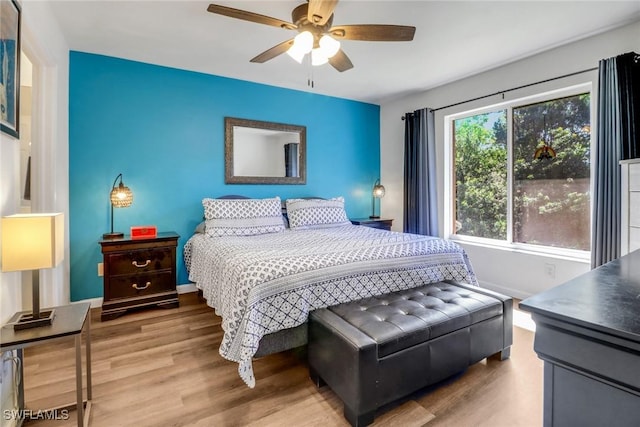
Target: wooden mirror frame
(231, 178)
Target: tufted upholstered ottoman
(376, 350)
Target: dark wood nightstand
(139, 273)
(382, 223)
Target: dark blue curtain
(420, 192)
(291, 159)
(618, 123)
(628, 68)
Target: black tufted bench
(374, 351)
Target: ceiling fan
(316, 35)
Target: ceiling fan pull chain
(310, 82)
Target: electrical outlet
(550, 270)
(100, 269)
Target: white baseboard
(515, 293)
(95, 302)
(182, 289)
(186, 288)
(520, 318)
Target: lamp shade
(32, 241)
(378, 190)
(121, 196)
(318, 57)
(329, 45)
(296, 54)
(303, 42)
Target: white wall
(41, 39)
(45, 45)
(515, 273)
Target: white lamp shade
(329, 46)
(32, 241)
(318, 57)
(303, 42)
(296, 54)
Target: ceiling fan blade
(250, 16)
(278, 49)
(374, 32)
(320, 11)
(340, 61)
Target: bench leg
(319, 382)
(501, 355)
(358, 420)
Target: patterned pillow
(242, 217)
(316, 213)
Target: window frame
(449, 184)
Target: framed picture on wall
(10, 67)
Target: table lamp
(120, 197)
(377, 193)
(32, 242)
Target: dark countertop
(606, 299)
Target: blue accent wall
(163, 129)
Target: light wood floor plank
(162, 368)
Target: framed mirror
(257, 152)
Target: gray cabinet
(630, 213)
(588, 335)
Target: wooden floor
(162, 368)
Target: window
(521, 173)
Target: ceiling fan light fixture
(318, 57)
(329, 45)
(303, 42)
(313, 20)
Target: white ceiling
(453, 40)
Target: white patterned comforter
(264, 283)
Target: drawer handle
(135, 264)
(135, 286)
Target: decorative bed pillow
(316, 213)
(242, 217)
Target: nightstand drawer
(134, 262)
(141, 284)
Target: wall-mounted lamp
(121, 197)
(32, 242)
(377, 193)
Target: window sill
(548, 252)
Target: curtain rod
(514, 88)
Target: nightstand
(70, 322)
(383, 223)
(139, 273)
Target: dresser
(139, 273)
(630, 212)
(588, 335)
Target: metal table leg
(79, 399)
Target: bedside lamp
(32, 242)
(377, 193)
(121, 197)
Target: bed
(264, 277)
